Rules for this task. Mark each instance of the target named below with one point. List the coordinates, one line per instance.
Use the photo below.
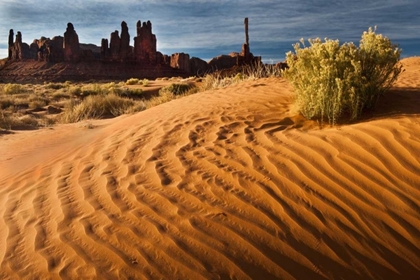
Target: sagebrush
(332, 79)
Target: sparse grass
(253, 71)
(177, 89)
(13, 89)
(24, 106)
(55, 85)
(9, 121)
(96, 107)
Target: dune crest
(222, 184)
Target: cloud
(210, 27)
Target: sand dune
(223, 184)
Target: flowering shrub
(331, 79)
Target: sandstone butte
(65, 58)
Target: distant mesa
(118, 51)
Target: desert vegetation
(333, 80)
(30, 106)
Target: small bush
(134, 92)
(176, 89)
(145, 82)
(5, 121)
(132, 81)
(332, 79)
(93, 89)
(55, 85)
(13, 89)
(37, 104)
(96, 107)
(61, 94)
(6, 102)
(9, 122)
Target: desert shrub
(61, 94)
(113, 88)
(6, 102)
(13, 89)
(176, 89)
(26, 121)
(55, 85)
(37, 104)
(145, 82)
(12, 121)
(96, 107)
(5, 121)
(93, 89)
(75, 90)
(135, 81)
(332, 79)
(134, 92)
(132, 81)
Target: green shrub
(332, 79)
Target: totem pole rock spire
(246, 31)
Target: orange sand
(227, 183)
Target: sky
(206, 29)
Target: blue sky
(206, 29)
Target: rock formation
(245, 56)
(246, 32)
(124, 42)
(71, 44)
(104, 49)
(117, 52)
(198, 67)
(114, 46)
(145, 43)
(11, 35)
(223, 61)
(17, 50)
(181, 61)
(233, 59)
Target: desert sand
(229, 183)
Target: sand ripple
(224, 184)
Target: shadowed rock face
(181, 61)
(11, 35)
(114, 47)
(17, 50)
(145, 43)
(71, 44)
(124, 41)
